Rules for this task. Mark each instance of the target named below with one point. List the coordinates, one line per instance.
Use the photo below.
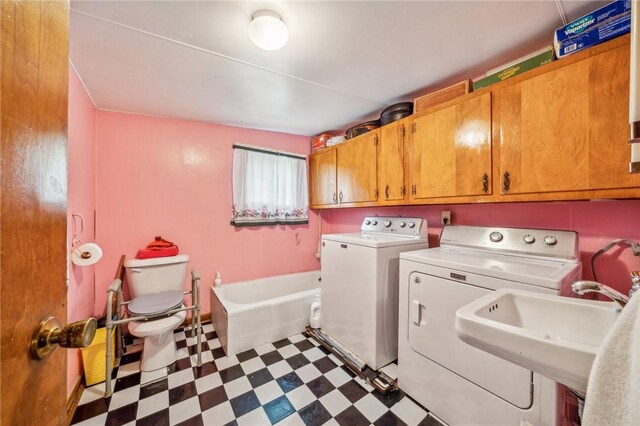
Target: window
(269, 187)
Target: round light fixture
(267, 31)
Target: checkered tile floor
(290, 382)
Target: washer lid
(375, 240)
(520, 269)
(155, 303)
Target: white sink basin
(555, 336)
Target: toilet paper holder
(75, 241)
(83, 254)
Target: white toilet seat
(155, 303)
(156, 326)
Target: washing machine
(461, 384)
(360, 285)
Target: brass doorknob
(50, 334)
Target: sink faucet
(583, 287)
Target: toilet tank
(146, 276)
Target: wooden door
(33, 126)
(391, 176)
(357, 169)
(450, 151)
(567, 130)
(322, 178)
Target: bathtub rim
(232, 307)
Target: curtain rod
(268, 151)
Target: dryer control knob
(374, 223)
(495, 236)
(412, 225)
(529, 239)
(550, 240)
(402, 224)
(367, 222)
(387, 223)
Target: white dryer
(360, 285)
(460, 384)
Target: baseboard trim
(203, 319)
(74, 398)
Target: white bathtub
(248, 314)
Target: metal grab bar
(115, 288)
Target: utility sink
(557, 337)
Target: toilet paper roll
(86, 254)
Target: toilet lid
(155, 303)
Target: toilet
(156, 286)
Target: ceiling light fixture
(267, 31)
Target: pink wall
(172, 178)
(169, 177)
(597, 223)
(81, 200)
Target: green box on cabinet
(511, 70)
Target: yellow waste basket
(93, 357)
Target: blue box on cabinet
(610, 21)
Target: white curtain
(269, 188)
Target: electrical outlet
(445, 218)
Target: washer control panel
(544, 243)
(408, 226)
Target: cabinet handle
(413, 190)
(402, 131)
(506, 182)
(335, 200)
(402, 191)
(485, 183)
(386, 192)
(340, 197)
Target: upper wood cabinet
(356, 167)
(450, 151)
(558, 132)
(391, 162)
(322, 178)
(567, 129)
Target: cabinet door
(567, 130)
(357, 169)
(391, 177)
(450, 151)
(322, 178)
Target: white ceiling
(344, 62)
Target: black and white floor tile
(289, 382)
